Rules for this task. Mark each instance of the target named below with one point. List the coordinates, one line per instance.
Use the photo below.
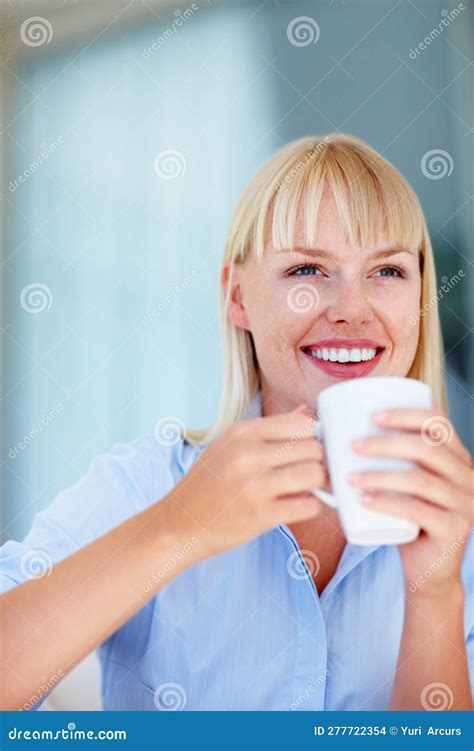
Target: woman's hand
(437, 494)
(255, 476)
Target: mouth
(344, 362)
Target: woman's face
(312, 310)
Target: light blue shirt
(246, 629)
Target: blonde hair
(373, 200)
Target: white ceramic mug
(345, 413)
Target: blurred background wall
(129, 131)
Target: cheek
(404, 303)
(400, 312)
(278, 324)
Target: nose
(349, 303)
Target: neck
(319, 532)
(275, 402)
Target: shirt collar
(255, 407)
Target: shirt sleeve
(470, 658)
(468, 581)
(118, 484)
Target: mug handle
(326, 497)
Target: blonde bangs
(375, 204)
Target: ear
(231, 281)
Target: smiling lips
(347, 358)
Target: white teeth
(344, 354)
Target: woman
(205, 569)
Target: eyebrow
(320, 252)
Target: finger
(433, 426)
(416, 482)
(298, 478)
(284, 427)
(411, 448)
(429, 517)
(276, 453)
(403, 418)
(296, 508)
(304, 409)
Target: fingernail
(301, 408)
(367, 498)
(383, 416)
(359, 443)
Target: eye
(306, 269)
(395, 269)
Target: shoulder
(144, 467)
(127, 478)
(118, 484)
